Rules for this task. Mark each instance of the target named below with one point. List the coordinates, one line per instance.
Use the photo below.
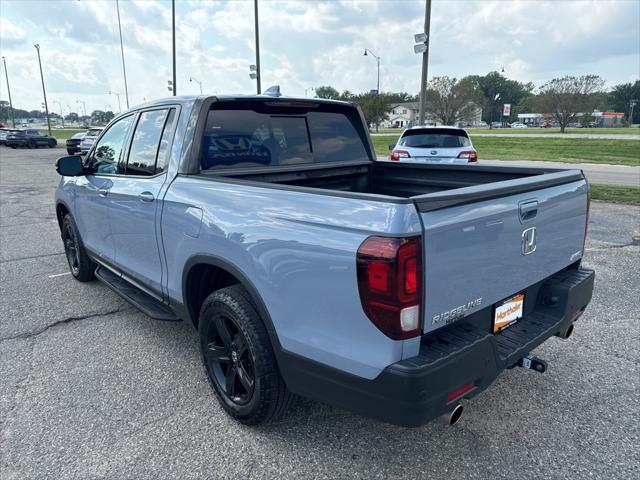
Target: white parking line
(59, 274)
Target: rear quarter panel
(299, 251)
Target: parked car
(392, 289)
(30, 138)
(89, 138)
(73, 143)
(518, 125)
(434, 145)
(545, 125)
(4, 133)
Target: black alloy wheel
(229, 360)
(71, 248)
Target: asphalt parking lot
(91, 388)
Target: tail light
(396, 155)
(470, 155)
(390, 284)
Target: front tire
(80, 265)
(239, 359)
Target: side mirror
(392, 146)
(70, 166)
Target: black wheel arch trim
(248, 285)
(64, 204)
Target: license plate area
(508, 312)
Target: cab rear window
(258, 134)
(434, 138)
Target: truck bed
(429, 186)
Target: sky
(304, 44)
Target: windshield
(254, 134)
(434, 138)
(94, 132)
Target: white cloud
(307, 44)
(10, 33)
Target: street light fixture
(13, 118)
(191, 79)
(44, 92)
(117, 94)
(366, 53)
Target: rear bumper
(416, 390)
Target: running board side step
(139, 299)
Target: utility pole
(366, 53)
(173, 30)
(44, 92)
(258, 74)
(124, 70)
(13, 118)
(632, 103)
(425, 63)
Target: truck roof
(183, 99)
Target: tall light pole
(425, 63)
(257, 31)
(117, 95)
(493, 107)
(307, 89)
(632, 104)
(61, 111)
(173, 33)
(84, 106)
(191, 79)
(124, 70)
(44, 92)
(366, 53)
(13, 118)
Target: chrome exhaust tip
(453, 416)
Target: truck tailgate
(490, 247)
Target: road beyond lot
(91, 388)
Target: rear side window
(149, 143)
(260, 135)
(145, 143)
(434, 138)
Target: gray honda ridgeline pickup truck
(392, 290)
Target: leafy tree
(375, 108)
(494, 83)
(586, 119)
(621, 96)
(450, 100)
(327, 92)
(567, 96)
(72, 117)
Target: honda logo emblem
(529, 238)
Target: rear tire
(80, 265)
(239, 359)
(52, 143)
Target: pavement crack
(634, 243)
(64, 321)
(31, 258)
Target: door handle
(146, 196)
(103, 192)
(528, 210)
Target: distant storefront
(600, 119)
